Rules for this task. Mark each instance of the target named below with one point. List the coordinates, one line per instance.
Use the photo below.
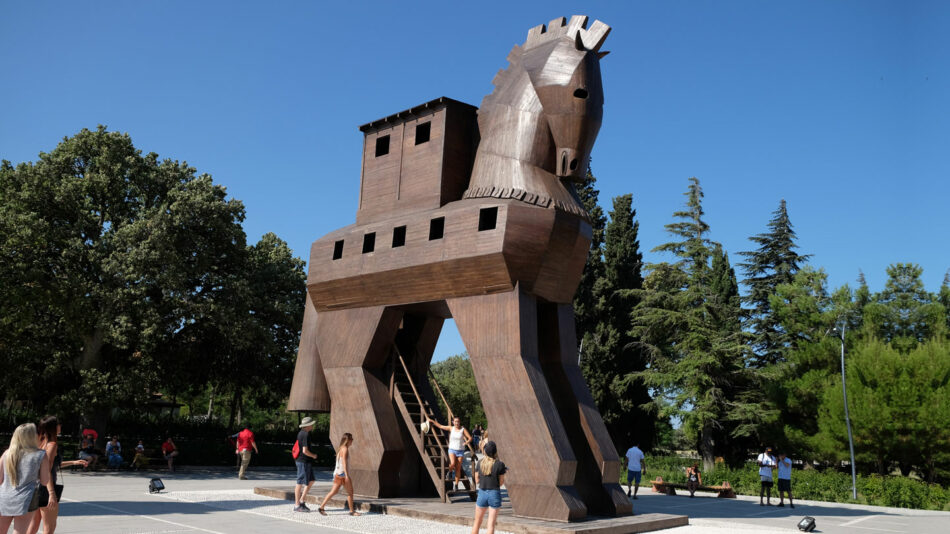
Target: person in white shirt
(635, 468)
(766, 463)
(784, 479)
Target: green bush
(810, 484)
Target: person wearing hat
(489, 475)
(304, 465)
(766, 463)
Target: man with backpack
(304, 458)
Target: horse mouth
(567, 164)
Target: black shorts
(767, 483)
(785, 484)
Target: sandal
(322, 511)
(355, 514)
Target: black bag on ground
(807, 524)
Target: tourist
(114, 453)
(784, 479)
(304, 462)
(459, 438)
(48, 430)
(21, 466)
(489, 475)
(477, 435)
(693, 478)
(636, 466)
(170, 451)
(87, 451)
(341, 475)
(766, 462)
(245, 441)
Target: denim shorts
(489, 498)
(304, 472)
(458, 452)
(633, 476)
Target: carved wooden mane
(519, 156)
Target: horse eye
(580, 93)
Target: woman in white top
(22, 467)
(459, 438)
(341, 475)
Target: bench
(724, 491)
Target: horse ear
(579, 42)
(600, 55)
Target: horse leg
(308, 391)
(355, 345)
(500, 332)
(598, 465)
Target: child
(140, 459)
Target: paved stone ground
(216, 502)
(709, 515)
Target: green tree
(455, 377)
(611, 362)
(112, 257)
(695, 362)
(586, 314)
(774, 262)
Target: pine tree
(685, 323)
(611, 361)
(585, 302)
(774, 262)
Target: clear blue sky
(841, 108)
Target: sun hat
(307, 421)
(424, 427)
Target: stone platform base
(461, 512)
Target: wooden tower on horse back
(470, 214)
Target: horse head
(563, 64)
(539, 124)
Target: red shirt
(167, 447)
(245, 438)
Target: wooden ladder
(431, 445)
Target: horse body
(508, 287)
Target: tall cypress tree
(774, 262)
(585, 302)
(686, 324)
(611, 362)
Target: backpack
(295, 452)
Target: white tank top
(455, 438)
(338, 470)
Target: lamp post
(847, 419)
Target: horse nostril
(574, 164)
(580, 93)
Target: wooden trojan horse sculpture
(492, 237)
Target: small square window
(399, 236)
(382, 146)
(436, 228)
(487, 217)
(422, 132)
(369, 242)
(338, 250)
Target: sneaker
(761, 503)
(634, 496)
(302, 508)
(780, 505)
(792, 505)
(628, 493)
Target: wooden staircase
(432, 446)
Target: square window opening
(369, 242)
(422, 132)
(338, 250)
(436, 228)
(487, 218)
(399, 236)
(382, 146)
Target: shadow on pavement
(713, 508)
